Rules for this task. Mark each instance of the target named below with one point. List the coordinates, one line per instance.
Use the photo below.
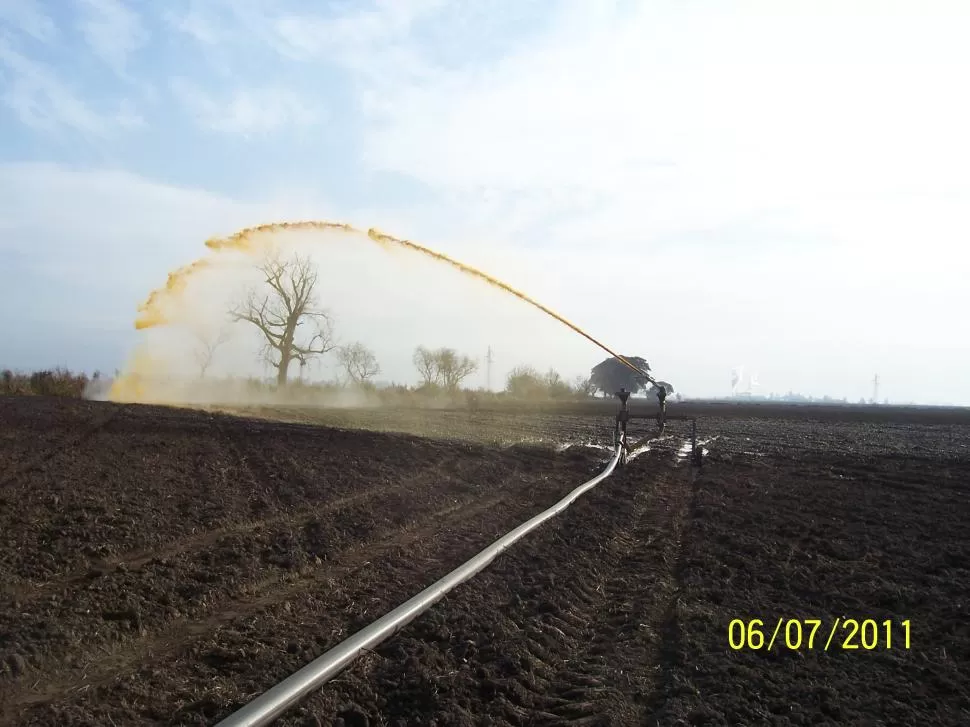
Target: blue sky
(784, 183)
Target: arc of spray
(243, 240)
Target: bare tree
(426, 364)
(286, 303)
(585, 386)
(358, 361)
(556, 386)
(208, 343)
(453, 368)
(443, 367)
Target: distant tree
(426, 364)
(555, 385)
(454, 367)
(443, 367)
(358, 362)
(584, 386)
(611, 374)
(287, 302)
(654, 388)
(524, 382)
(207, 344)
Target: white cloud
(44, 102)
(676, 119)
(359, 29)
(27, 17)
(247, 111)
(800, 163)
(112, 30)
(623, 128)
(218, 26)
(196, 25)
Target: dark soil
(164, 566)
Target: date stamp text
(842, 634)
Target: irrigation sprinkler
(623, 417)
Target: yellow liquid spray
(252, 239)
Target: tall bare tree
(358, 361)
(207, 344)
(427, 366)
(285, 303)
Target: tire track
(134, 560)
(580, 656)
(563, 629)
(221, 565)
(330, 571)
(221, 590)
(267, 593)
(261, 474)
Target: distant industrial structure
(737, 379)
(746, 389)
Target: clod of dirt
(17, 664)
(352, 717)
(131, 615)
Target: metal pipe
(274, 702)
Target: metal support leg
(696, 455)
(623, 443)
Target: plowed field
(164, 566)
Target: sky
(708, 184)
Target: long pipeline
(277, 700)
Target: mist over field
(390, 301)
